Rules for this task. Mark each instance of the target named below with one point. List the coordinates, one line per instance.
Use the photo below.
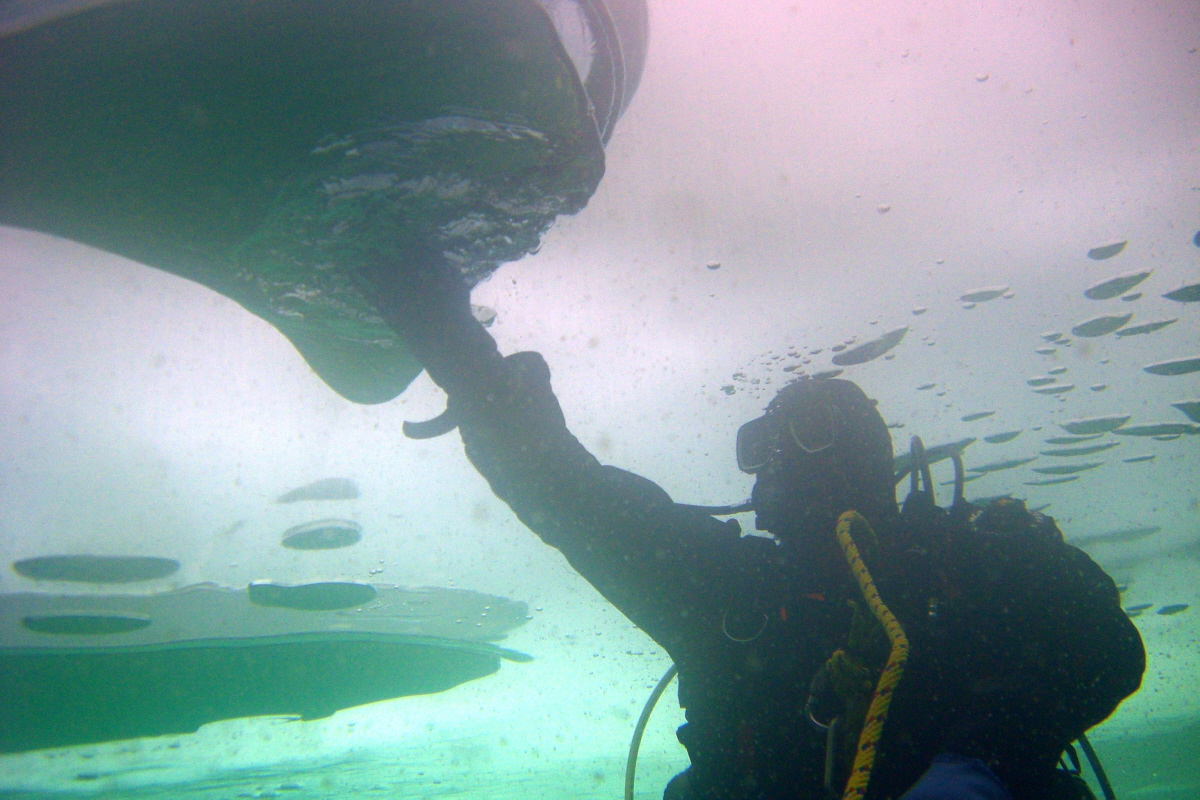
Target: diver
(1016, 643)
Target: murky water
(929, 198)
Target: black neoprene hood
(854, 472)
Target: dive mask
(813, 429)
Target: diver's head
(820, 449)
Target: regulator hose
(636, 742)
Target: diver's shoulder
(1009, 517)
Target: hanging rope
(864, 758)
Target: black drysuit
(1029, 647)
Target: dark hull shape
(1052, 481)
(1160, 429)
(1068, 469)
(1185, 294)
(869, 351)
(324, 489)
(966, 479)
(329, 596)
(1148, 327)
(1094, 425)
(1074, 452)
(1176, 366)
(269, 149)
(1100, 326)
(1073, 439)
(96, 569)
(997, 466)
(1115, 287)
(1189, 407)
(324, 534)
(93, 668)
(1110, 537)
(1106, 250)
(1058, 388)
(62, 699)
(984, 294)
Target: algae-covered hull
(266, 150)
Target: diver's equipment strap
(864, 759)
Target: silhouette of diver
(1016, 641)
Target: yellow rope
(864, 758)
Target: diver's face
(772, 500)
(820, 449)
(787, 449)
(791, 493)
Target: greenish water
(385, 775)
(1161, 766)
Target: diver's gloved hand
(523, 390)
(519, 420)
(517, 396)
(427, 302)
(517, 438)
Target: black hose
(1097, 768)
(960, 480)
(636, 742)
(720, 511)
(914, 474)
(920, 466)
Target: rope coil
(864, 759)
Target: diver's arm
(665, 567)
(652, 559)
(427, 302)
